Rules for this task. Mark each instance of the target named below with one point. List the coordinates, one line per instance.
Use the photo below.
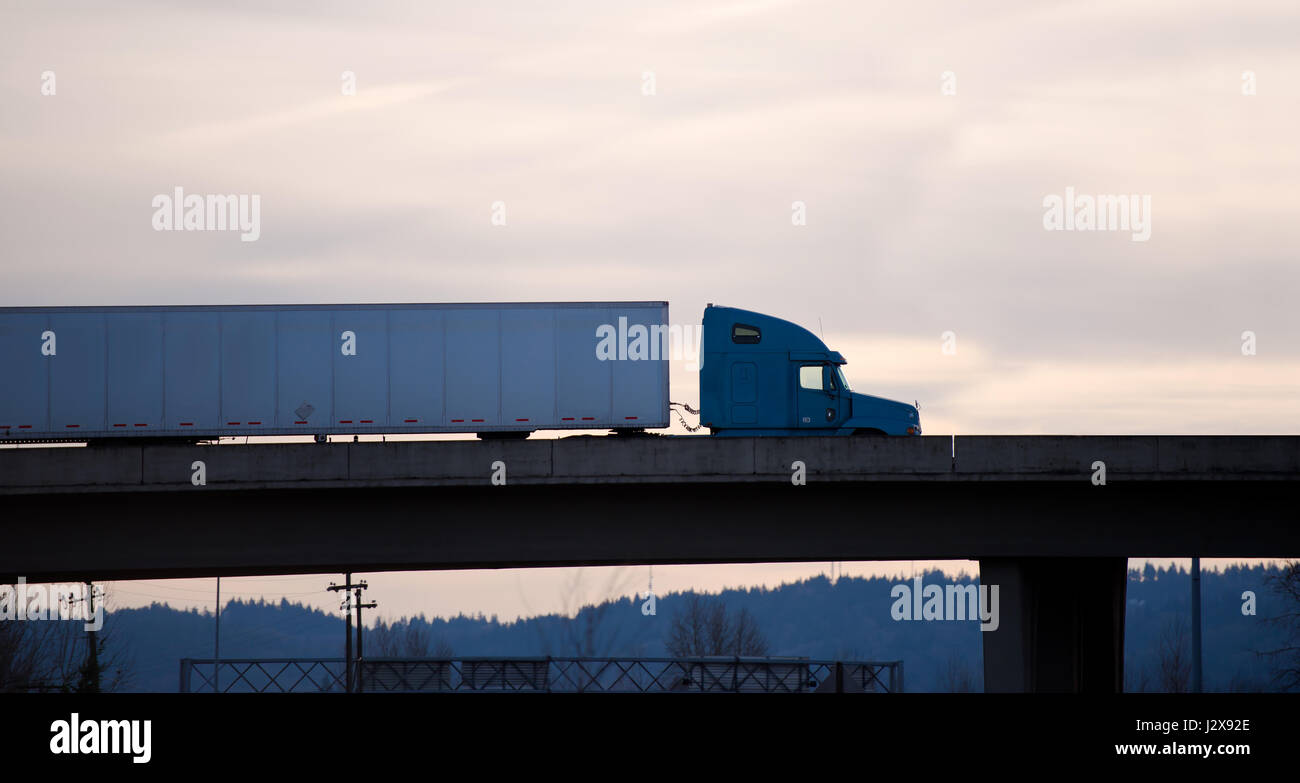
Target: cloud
(302, 118)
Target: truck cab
(765, 376)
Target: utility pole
(346, 587)
(90, 675)
(361, 586)
(1196, 625)
(216, 648)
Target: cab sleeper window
(741, 333)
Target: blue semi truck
(495, 370)
(764, 376)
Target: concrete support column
(1061, 624)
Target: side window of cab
(818, 377)
(745, 334)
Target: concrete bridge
(1030, 509)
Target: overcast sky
(924, 211)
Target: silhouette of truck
(499, 370)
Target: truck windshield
(839, 377)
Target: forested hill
(847, 619)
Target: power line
(209, 592)
(206, 591)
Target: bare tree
(583, 629)
(52, 655)
(749, 639)
(24, 664)
(408, 638)
(717, 628)
(688, 634)
(702, 627)
(1175, 666)
(1286, 659)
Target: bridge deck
(132, 512)
(650, 460)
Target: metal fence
(541, 675)
(262, 675)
